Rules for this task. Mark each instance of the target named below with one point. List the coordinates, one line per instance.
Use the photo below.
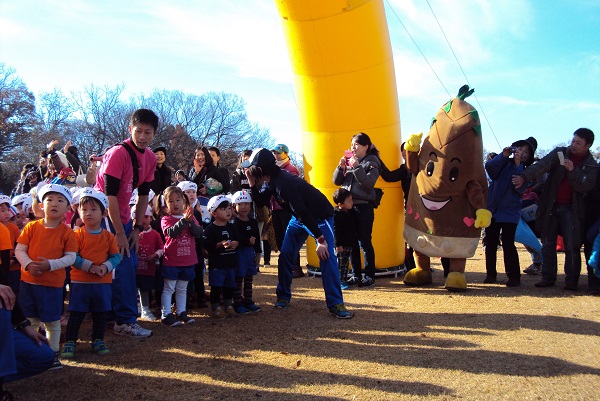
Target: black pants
(511, 257)
(366, 217)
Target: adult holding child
(204, 173)
(357, 172)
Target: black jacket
(345, 227)
(162, 178)
(303, 200)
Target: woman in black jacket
(162, 174)
(204, 170)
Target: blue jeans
(124, 288)
(20, 357)
(561, 222)
(295, 235)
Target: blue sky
(535, 65)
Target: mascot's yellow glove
(413, 143)
(483, 219)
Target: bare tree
(54, 112)
(104, 118)
(212, 119)
(17, 110)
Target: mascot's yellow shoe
(456, 282)
(417, 276)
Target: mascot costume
(446, 203)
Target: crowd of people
(130, 238)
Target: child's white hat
(4, 199)
(215, 201)
(92, 193)
(242, 196)
(76, 195)
(14, 210)
(185, 185)
(20, 199)
(64, 191)
(27, 205)
(134, 197)
(148, 211)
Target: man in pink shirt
(117, 179)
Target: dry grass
(404, 343)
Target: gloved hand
(413, 143)
(483, 219)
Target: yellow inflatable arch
(344, 78)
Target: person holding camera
(572, 172)
(504, 201)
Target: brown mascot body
(446, 203)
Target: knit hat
(532, 142)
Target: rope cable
(419, 49)
(463, 72)
(455, 57)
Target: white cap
(92, 193)
(61, 189)
(4, 199)
(242, 196)
(134, 197)
(185, 185)
(27, 205)
(14, 210)
(215, 201)
(76, 195)
(148, 211)
(20, 199)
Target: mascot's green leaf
(464, 92)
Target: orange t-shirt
(49, 243)
(95, 248)
(5, 238)
(14, 236)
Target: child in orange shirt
(6, 213)
(90, 278)
(45, 247)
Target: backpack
(135, 164)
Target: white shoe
(131, 330)
(148, 316)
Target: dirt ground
(404, 343)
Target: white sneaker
(148, 316)
(131, 330)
